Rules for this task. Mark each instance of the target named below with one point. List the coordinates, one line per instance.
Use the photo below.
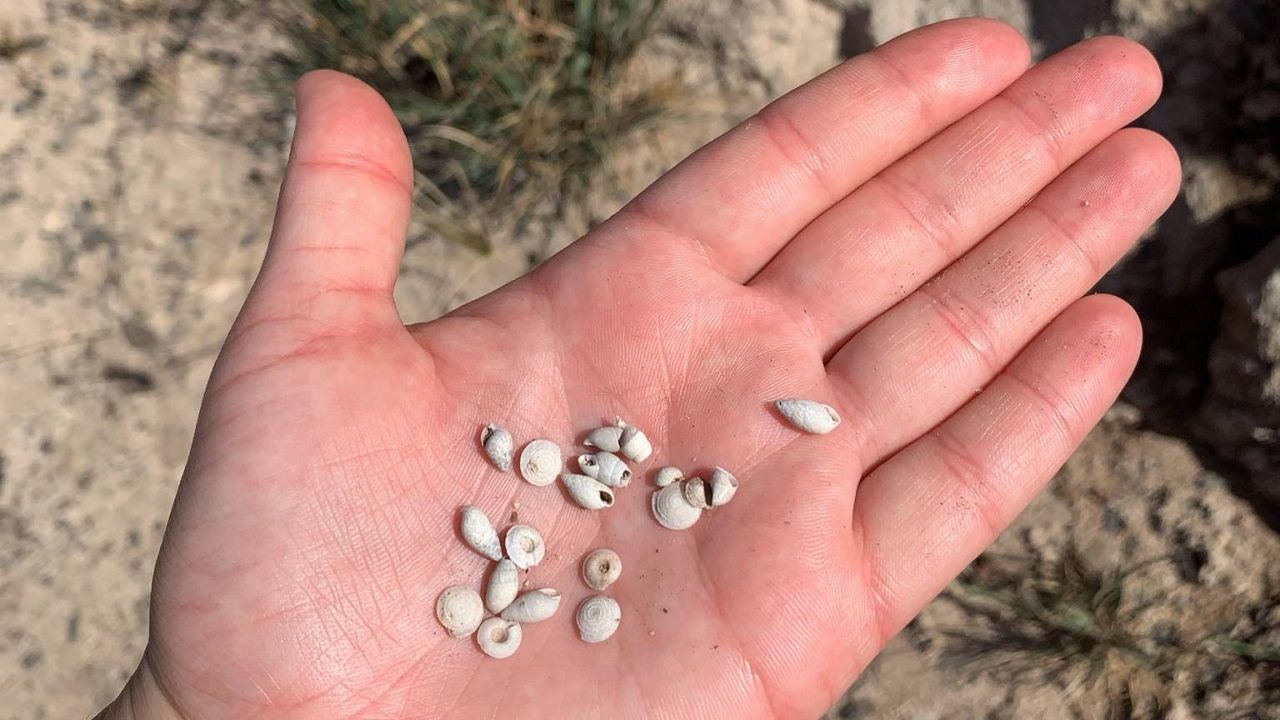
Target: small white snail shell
(499, 638)
(672, 510)
(600, 568)
(667, 475)
(808, 416)
(459, 610)
(723, 487)
(598, 618)
(634, 444)
(697, 492)
(604, 438)
(480, 533)
(524, 546)
(504, 585)
(498, 445)
(605, 467)
(587, 491)
(533, 606)
(540, 462)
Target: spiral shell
(808, 416)
(503, 586)
(672, 510)
(634, 444)
(533, 606)
(587, 491)
(605, 467)
(600, 568)
(499, 638)
(524, 546)
(459, 610)
(498, 445)
(598, 618)
(604, 438)
(667, 475)
(479, 532)
(723, 487)
(540, 462)
(698, 493)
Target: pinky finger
(929, 510)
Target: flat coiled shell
(479, 533)
(498, 445)
(605, 467)
(459, 610)
(541, 462)
(504, 585)
(672, 510)
(587, 491)
(808, 416)
(533, 606)
(499, 638)
(601, 568)
(598, 618)
(524, 546)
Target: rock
(1240, 417)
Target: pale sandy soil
(140, 157)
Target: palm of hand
(317, 521)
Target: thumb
(344, 208)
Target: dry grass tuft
(506, 103)
(1082, 627)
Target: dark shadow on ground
(1222, 104)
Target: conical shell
(459, 610)
(604, 438)
(504, 585)
(698, 493)
(667, 475)
(672, 510)
(480, 533)
(533, 606)
(498, 445)
(499, 638)
(598, 618)
(634, 444)
(587, 491)
(723, 487)
(809, 416)
(605, 467)
(600, 568)
(540, 462)
(524, 546)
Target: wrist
(143, 698)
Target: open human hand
(907, 237)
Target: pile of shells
(678, 502)
(603, 471)
(461, 610)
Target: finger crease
(898, 189)
(1039, 132)
(797, 149)
(973, 333)
(1093, 264)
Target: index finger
(741, 198)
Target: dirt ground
(141, 153)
